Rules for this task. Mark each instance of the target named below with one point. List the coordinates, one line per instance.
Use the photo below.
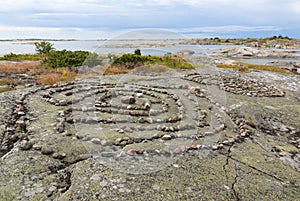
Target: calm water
(104, 47)
(23, 48)
(101, 47)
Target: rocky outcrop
(203, 135)
(257, 52)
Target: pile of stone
(235, 85)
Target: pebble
(175, 165)
(220, 146)
(96, 140)
(21, 113)
(37, 147)
(140, 151)
(63, 103)
(193, 147)
(26, 145)
(231, 140)
(184, 86)
(47, 150)
(128, 129)
(131, 152)
(166, 137)
(19, 108)
(195, 89)
(215, 147)
(20, 123)
(128, 100)
(139, 95)
(59, 156)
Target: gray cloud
(172, 14)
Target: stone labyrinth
(136, 126)
(137, 123)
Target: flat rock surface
(205, 134)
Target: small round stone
(131, 152)
(59, 156)
(47, 150)
(166, 137)
(26, 145)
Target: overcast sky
(93, 19)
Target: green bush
(65, 58)
(131, 61)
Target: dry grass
(245, 68)
(113, 70)
(10, 81)
(5, 89)
(33, 68)
(67, 75)
(18, 67)
(51, 77)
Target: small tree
(137, 52)
(43, 47)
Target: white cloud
(54, 33)
(228, 29)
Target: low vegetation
(128, 62)
(21, 57)
(64, 58)
(5, 89)
(53, 66)
(55, 76)
(245, 68)
(18, 67)
(10, 81)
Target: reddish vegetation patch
(10, 81)
(53, 77)
(18, 67)
(50, 78)
(112, 70)
(44, 75)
